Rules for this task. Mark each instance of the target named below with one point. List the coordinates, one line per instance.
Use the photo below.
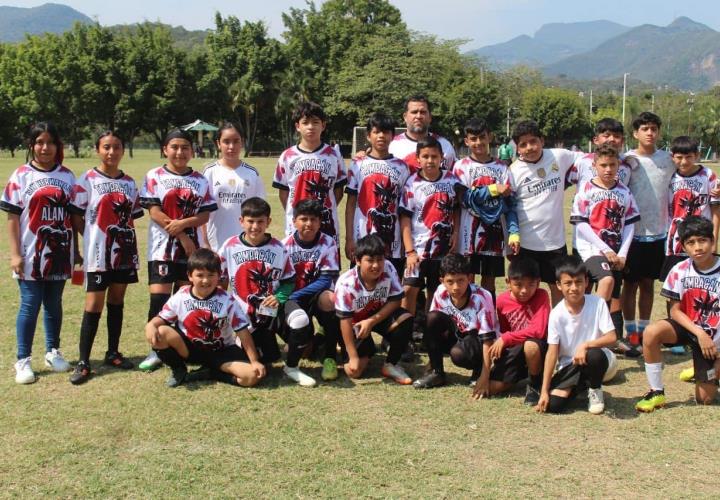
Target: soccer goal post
(359, 141)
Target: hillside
(15, 22)
(184, 39)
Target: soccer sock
(299, 334)
(157, 301)
(617, 319)
(597, 365)
(536, 381)
(114, 326)
(630, 326)
(331, 327)
(653, 372)
(399, 338)
(437, 324)
(226, 378)
(88, 330)
(642, 324)
(171, 358)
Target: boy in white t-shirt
(579, 331)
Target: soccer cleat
(431, 379)
(80, 374)
(532, 396)
(329, 369)
(596, 401)
(396, 373)
(150, 363)
(55, 361)
(296, 375)
(627, 349)
(117, 360)
(688, 374)
(178, 376)
(678, 350)
(650, 401)
(23, 371)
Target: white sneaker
(23, 371)
(596, 401)
(54, 360)
(150, 363)
(397, 373)
(297, 376)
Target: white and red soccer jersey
(311, 175)
(310, 260)
(607, 211)
(41, 199)
(431, 206)
(539, 192)
(378, 185)
(179, 197)
(353, 300)
(478, 315)
(254, 272)
(230, 187)
(689, 195)
(109, 204)
(477, 238)
(210, 323)
(698, 293)
(583, 171)
(405, 148)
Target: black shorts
(488, 265)
(644, 260)
(511, 366)
(599, 267)
(704, 368)
(547, 260)
(570, 376)
(426, 273)
(399, 265)
(161, 272)
(214, 359)
(100, 281)
(366, 347)
(670, 262)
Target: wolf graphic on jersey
(254, 281)
(378, 204)
(706, 310)
(492, 238)
(181, 203)
(608, 214)
(437, 214)
(311, 185)
(204, 329)
(50, 221)
(114, 218)
(685, 203)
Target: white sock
(653, 372)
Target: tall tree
(561, 114)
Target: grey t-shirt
(649, 184)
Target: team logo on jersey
(204, 329)
(705, 307)
(312, 185)
(378, 203)
(163, 270)
(114, 218)
(306, 273)
(50, 221)
(687, 203)
(437, 215)
(180, 203)
(254, 282)
(554, 167)
(608, 214)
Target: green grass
(125, 434)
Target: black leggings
(592, 372)
(440, 337)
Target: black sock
(331, 328)
(226, 378)
(157, 301)
(114, 326)
(492, 294)
(88, 330)
(618, 323)
(170, 357)
(536, 382)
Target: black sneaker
(80, 374)
(117, 360)
(627, 349)
(432, 379)
(179, 373)
(199, 375)
(532, 396)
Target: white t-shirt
(230, 187)
(568, 330)
(378, 185)
(405, 148)
(539, 189)
(649, 185)
(478, 314)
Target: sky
(481, 22)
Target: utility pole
(507, 123)
(625, 75)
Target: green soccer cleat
(687, 375)
(650, 401)
(329, 369)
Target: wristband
(410, 252)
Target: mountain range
(15, 22)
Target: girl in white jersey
(36, 199)
(104, 204)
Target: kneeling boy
(199, 324)
(579, 329)
(367, 299)
(461, 322)
(693, 288)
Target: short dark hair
(418, 98)
(429, 142)
(36, 130)
(684, 145)
(204, 259)
(570, 265)
(476, 126)
(308, 207)
(609, 125)
(380, 121)
(255, 207)
(454, 263)
(646, 118)
(694, 225)
(526, 127)
(606, 150)
(228, 125)
(523, 267)
(371, 245)
(177, 133)
(109, 133)
(308, 109)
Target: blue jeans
(32, 295)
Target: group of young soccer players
(222, 288)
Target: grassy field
(126, 435)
